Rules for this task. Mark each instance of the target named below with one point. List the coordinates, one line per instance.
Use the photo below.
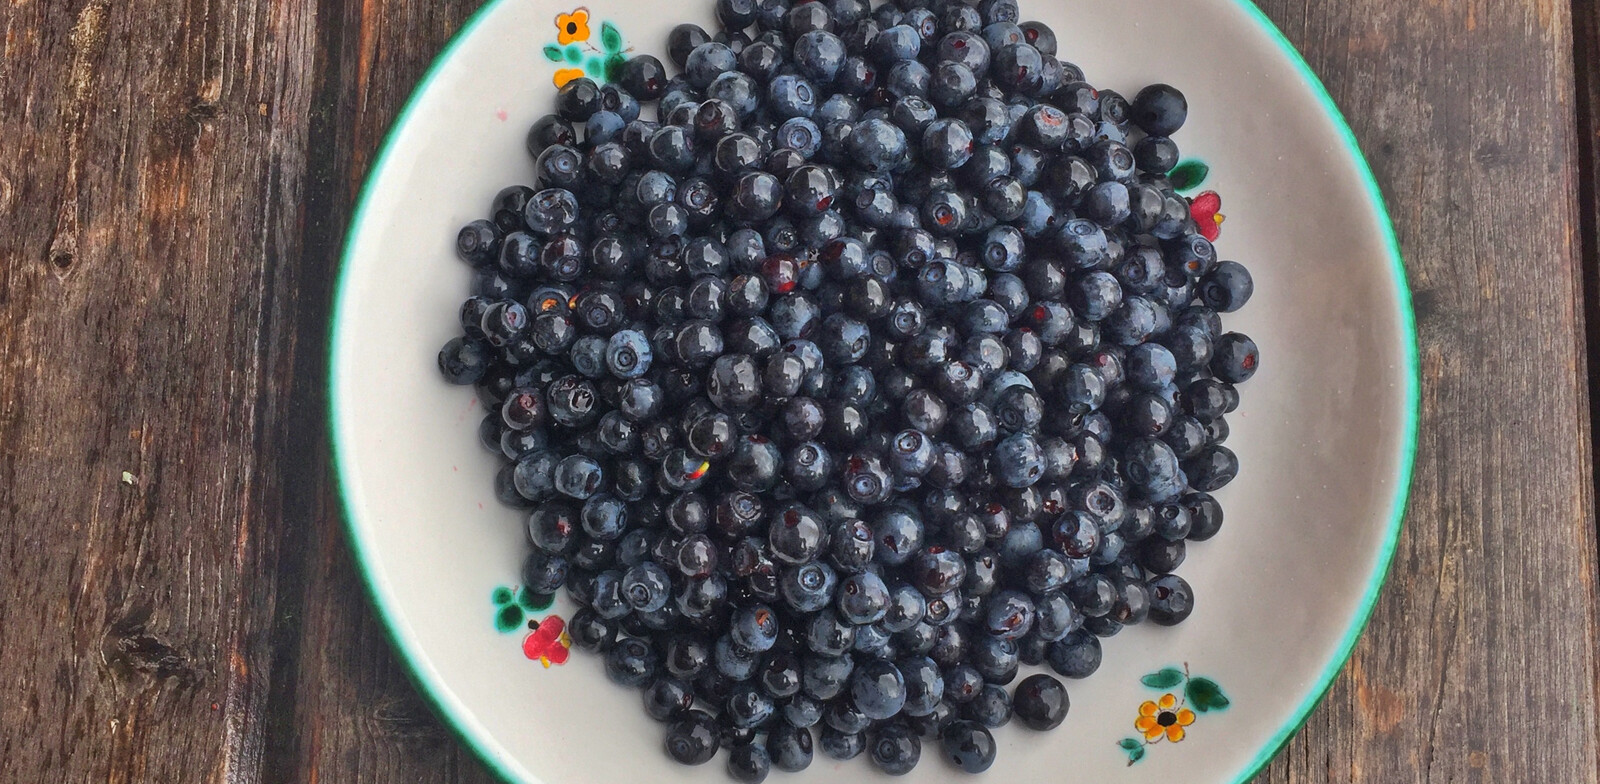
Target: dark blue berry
(1159, 109)
(693, 739)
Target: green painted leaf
(1129, 744)
(1135, 755)
(1164, 679)
(1205, 695)
(552, 53)
(573, 53)
(614, 66)
(594, 68)
(501, 595)
(610, 39)
(534, 602)
(509, 618)
(1189, 174)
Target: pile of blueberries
(886, 361)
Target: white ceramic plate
(1325, 435)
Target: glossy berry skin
(1075, 656)
(877, 689)
(1040, 702)
(1018, 460)
(749, 763)
(795, 535)
(894, 748)
(667, 698)
(877, 145)
(969, 745)
(1159, 109)
(693, 739)
(842, 745)
(632, 662)
(790, 747)
(1235, 358)
(1227, 287)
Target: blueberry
(749, 763)
(862, 599)
(878, 689)
(463, 361)
(842, 745)
(896, 43)
(894, 748)
(748, 707)
(877, 145)
(818, 56)
(1235, 358)
(632, 662)
(1018, 460)
(547, 131)
(1159, 109)
(693, 739)
(1075, 656)
(646, 587)
(951, 84)
(808, 587)
(1213, 468)
(824, 677)
(790, 95)
(667, 698)
(590, 632)
(790, 747)
(578, 476)
(603, 516)
(908, 77)
(578, 99)
(1041, 702)
(795, 535)
(543, 573)
(802, 711)
(969, 745)
(991, 707)
(899, 534)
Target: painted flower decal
(1207, 212)
(1189, 174)
(572, 26)
(576, 52)
(548, 643)
(1168, 717)
(564, 75)
(1163, 717)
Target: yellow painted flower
(1158, 719)
(566, 75)
(572, 27)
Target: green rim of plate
(454, 714)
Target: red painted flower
(1207, 211)
(548, 643)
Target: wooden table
(177, 601)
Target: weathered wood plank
(344, 709)
(150, 179)
(1480, 661)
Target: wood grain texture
(151, 176)
(175, 184)
(344, 708)
(1479, 665)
